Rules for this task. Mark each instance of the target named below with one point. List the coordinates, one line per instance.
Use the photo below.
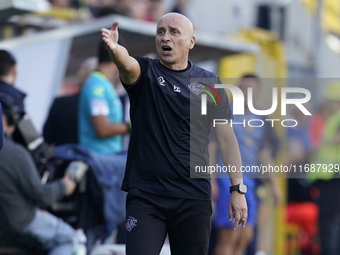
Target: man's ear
(13, 74)
(192, 42)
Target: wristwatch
(241, 188)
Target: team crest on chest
(196, 87)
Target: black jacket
(61, 126)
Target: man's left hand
(238, 209)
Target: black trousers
(329, 216)
(150, 217)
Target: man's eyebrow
(176, 28)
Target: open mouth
(166, 49)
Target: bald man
(162, 198)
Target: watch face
(243, 188)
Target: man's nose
(166, 37)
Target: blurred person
(180, 6)
(61, 125)
(60, 13)
(1, 131)
(317, 125)
(299, 152)
(21, 193)
(100, 110)
(101, 128)
(299, 135)
(106, 10)
(255, 150)
(162, 198)
(139, 9)
(123, 7)
(93, 6)
(100, 8)
(8, 74)
(155, 10)
(60, 3)
(327, 179)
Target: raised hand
(129, 69)
(110, 37)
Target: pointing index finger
(114, 26)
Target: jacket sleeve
(2, 140)
(30, 182)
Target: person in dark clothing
(8, 73)
(21, 194)
(1, 131)
(180, 6)
(162, 198)
(61, 126)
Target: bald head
(181, 20)
(174, 40)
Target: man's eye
(160, 32)
(174, 32)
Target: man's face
(249, 83)
(174, 39)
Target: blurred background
(295, 43)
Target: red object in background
(305, 215)
(316, 129)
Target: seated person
(1, 131)
(21, 194)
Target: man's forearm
(121, 58)
(113, 129)
(128, 66)
(231, 157)
(105, 129)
